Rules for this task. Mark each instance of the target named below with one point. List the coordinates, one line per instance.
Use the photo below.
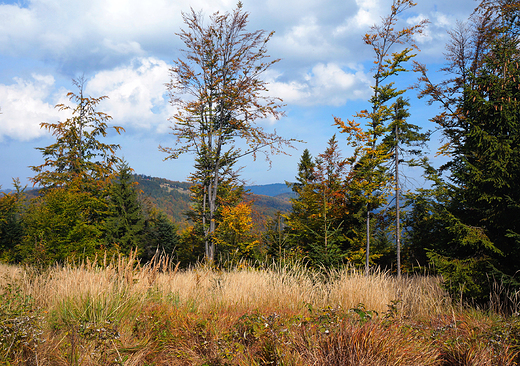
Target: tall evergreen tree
(78, 157)
(324, 223)
(405, 144)
(480, 122)
(304, 207)
(125, 222)
(68, 217)
(330, 177)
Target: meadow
(117, 312)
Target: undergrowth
(122, 313)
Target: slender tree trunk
(367, 265)
(279, 236)
(212, 209)
(374, 126)
(205, 230)
(325, 224)
(397, 208)
(213, 200)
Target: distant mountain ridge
(272, 190)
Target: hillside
(171, 197)
(174, 197)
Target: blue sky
(125, 48)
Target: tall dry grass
(115, 311)
(276, 288)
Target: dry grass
(120, 313)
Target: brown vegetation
(125, 314)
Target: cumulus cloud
(324, 32)
(86, 36)
(137, 94)
(368, 14)
(106, 28)
(137, 99)
(325, 84)
(27, 103)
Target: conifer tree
(64, 224)
(67, 220)
(405, 144)
(481, 126)
(160, 237)
(330, 177)
(322, 224)
(125, 222)
(78, 157)
(304, 206)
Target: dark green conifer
(126, 220)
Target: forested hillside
(171, 197)
(174, 198)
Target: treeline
(88, 205)
(465, 224)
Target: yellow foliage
(235, 231)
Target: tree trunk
(397, 209)
(368, 242)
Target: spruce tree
(160, 238)
(124, 226)
(300, 224)
(480, 122)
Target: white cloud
(136, 93)
(86, 36)
(325, 84)
(433, 40)
(137, 98)
(90, 35)
(25, 104)
(305, 42)
(123, 48)
(114, 41)
(442, 20)
(368, 13)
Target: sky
(125, 48)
